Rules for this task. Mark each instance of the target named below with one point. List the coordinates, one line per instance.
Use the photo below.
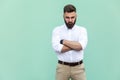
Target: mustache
(70, 23)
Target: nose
(70, 19)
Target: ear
(76, 15)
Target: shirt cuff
(60, 47)
(83, 45)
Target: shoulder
(81, 28)
(58, 28)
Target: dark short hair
(69, 8)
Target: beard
(70, 24)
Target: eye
(67, 17)
(72, 17)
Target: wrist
(61, 41)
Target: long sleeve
(56, 41)
(83, 38)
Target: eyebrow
(70, 17)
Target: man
(69, 41)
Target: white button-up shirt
(77, 33)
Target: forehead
(70, 14)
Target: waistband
(70, 64)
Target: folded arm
(70, 45)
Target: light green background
(25, 38)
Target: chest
(70, 35)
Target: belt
(70, 64)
